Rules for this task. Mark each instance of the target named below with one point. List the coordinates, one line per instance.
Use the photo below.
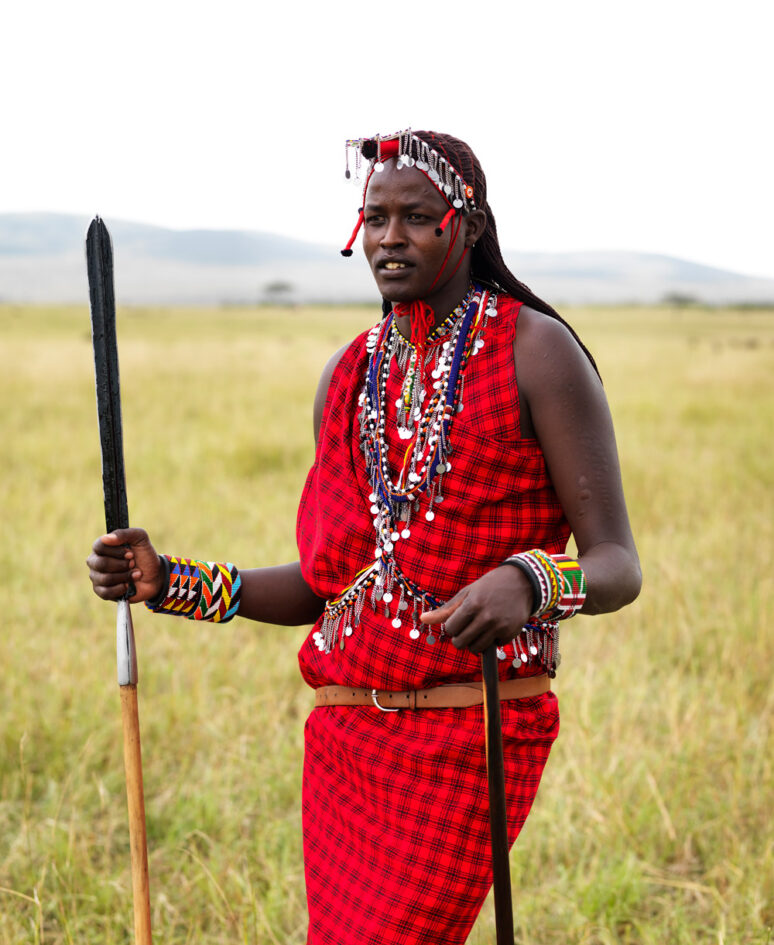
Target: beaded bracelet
(198, 590)
(558, 583)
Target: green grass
(653, 824)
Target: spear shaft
(99, 263)
(498, 821)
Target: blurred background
(628, 150)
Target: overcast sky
(601, 124)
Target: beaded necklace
(425, 418)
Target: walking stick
(99, 262)
(495, 772)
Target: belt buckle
(375, 697)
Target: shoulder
(323, 386)
(346, 358)
(546, 353)
(555, 375)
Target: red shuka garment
(395, 806)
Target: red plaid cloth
(396, 834)
(396, 817)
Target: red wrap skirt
(396, 822)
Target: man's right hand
(123, 556)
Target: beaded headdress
(409, 151)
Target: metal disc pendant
(430, 639)
(414, 634)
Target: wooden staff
(495, 773)
(99, 263)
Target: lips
(393, 265)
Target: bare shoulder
(548, 355)
(322, 388)
(552, 370)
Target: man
(455, 454)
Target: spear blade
(99, 264)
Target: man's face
(401, 213)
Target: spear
(495, 773)
(99, 263)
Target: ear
(475, 224)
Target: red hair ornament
(409, 151)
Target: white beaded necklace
(429, 420)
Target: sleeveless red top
(498, 500)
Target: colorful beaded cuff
(558, 583)
(199, 590)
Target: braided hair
(487, 264)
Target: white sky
(601, 124)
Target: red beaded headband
(409, 151)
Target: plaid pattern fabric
(396, 828)
(396, 817)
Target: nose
(393, 233)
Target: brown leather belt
(454, 696)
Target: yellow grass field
(654, 822)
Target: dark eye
(417, 217)
(374, 219)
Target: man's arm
(277, 595)
(563, 405)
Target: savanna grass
(653, 824)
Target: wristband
(558, 583)
(198, 590)
(574, 588)
(537, 593)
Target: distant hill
(42, 260)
